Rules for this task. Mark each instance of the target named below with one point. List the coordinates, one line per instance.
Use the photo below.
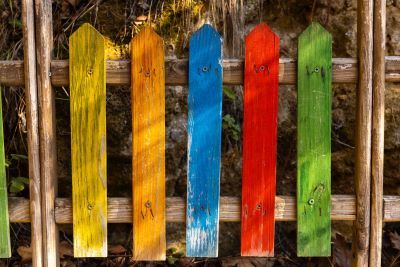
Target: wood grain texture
(5, 245)
(259, 142)
(32, 121)
(88, 142)
(204, 142)
(344, 70)
(47, 130)
(314, 101)
(176, 71)
(363, 129)
(148, 156)
(378, 127)
(120, 209)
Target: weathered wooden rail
(118, 71)
(120, 209)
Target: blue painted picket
(204, 142)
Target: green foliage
(17, 184)
(173, 255)
(229, 123)
(18, 157)
(16, 23)
(228, 92)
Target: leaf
(73, 3)
(246, 262)
(116, 249)
(171, 260)
(230, 124)
(341, 252)
(17, 184)
(171, 250)
(65, 249)
(16, 23)
(68, 263)
(395, 239)
(19, 157)
(25, 253)
(229, 93)
(22, 180)
(228, 120)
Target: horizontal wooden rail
(118, 71)
(120, 209)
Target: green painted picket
(5, 246)
(314, 102)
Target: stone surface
(288, 19)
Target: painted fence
(314, 99)
(261, 75)
(259, 141)
(88, 142)
(204, 142)
(5, 246)
(148, 143)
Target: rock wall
(175, 20)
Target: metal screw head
(205, 69)
(262, 68)
(316, 69)
(311, 201)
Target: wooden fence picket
(5, 246)
(148, 157)
(261, 76)
(88, 142)
(314, 142)
(204, 142)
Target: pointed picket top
(315, 29)
(148, 32)
(84, 29)
(263, 29)
(206, 30)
